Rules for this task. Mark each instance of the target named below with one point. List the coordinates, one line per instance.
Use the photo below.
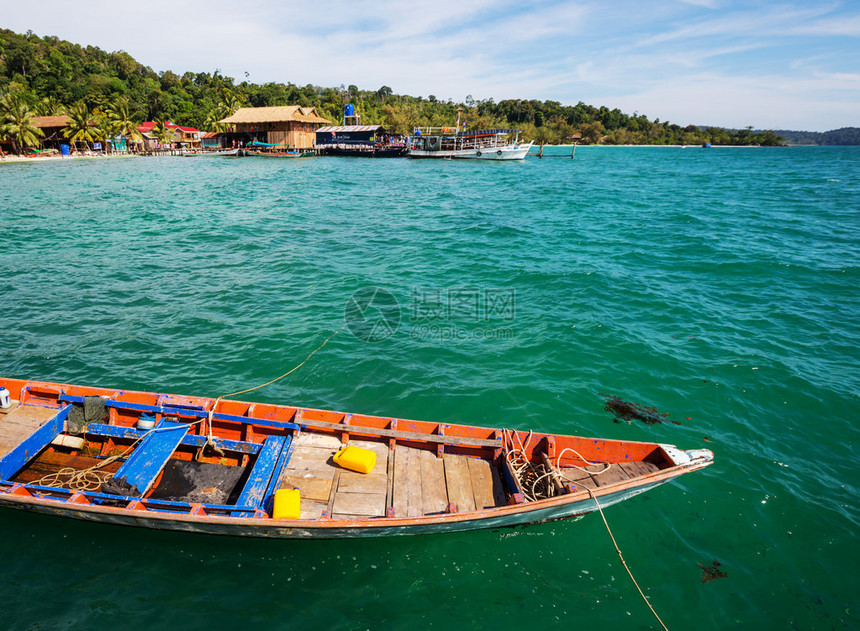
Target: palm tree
(217, 113)
(163, 133)
(16, 123)
(123, 121)
(50, 106)
(78, 128)
(104, 128)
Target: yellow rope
(621, 556)
(263, 385)
(510, 435)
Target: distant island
(48, 76)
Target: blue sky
(773, 65)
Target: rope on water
(621, 556)
(531, 475)
(263, 385)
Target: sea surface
(720, 286)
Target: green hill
(52, 74)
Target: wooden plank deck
(413, 482)
(619, 472)
(363, 494)
(18, 422)
(311, 470)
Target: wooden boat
(279, 153)
(198, 153)
(222, 466)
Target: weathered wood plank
(434, 493)
(353, 482)
(324, 441)
(52, 461)
(359, 504)
(389, 490)
(311, 509)
(407, 482)
(458, 482)
(572, 475)
(145, 463)
(254, 493)
(312, 459)
(611, 476)
(486, 488)
(392, 433)
(310, 487)
(639, 468)
(19, 423)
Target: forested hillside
(52, 76)
(843, 136)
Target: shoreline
(18, 159)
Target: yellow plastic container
(356, 459)
(287, 504)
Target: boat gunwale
(11, 496)
(70, 503)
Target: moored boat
(284, 153)
(197, 153)
(267, 150)
(230, 467)
(485, 144)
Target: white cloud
(698, 61)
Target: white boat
(484, 144)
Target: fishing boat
(196, 153)
(284, 153)
(230, 467)
(267, 150)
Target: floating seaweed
(712, 571)
(627, 411)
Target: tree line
(842, 136)
(49, 76)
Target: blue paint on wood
(167, 506)
(147, 460)
(275, 480)
(33, 444)
(191, 440)
(183, 412)
(255, 489)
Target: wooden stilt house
(289, 125)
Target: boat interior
(217, 457)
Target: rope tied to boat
(532, 475)
(536, 479)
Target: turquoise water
(720, 286)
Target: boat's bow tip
(690, 457)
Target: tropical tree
(16, 123)
(123, 121)
(217, 113)
(104, 128)
(163, 134)
(50, 106)
(79, 127)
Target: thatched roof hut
(290, 125)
